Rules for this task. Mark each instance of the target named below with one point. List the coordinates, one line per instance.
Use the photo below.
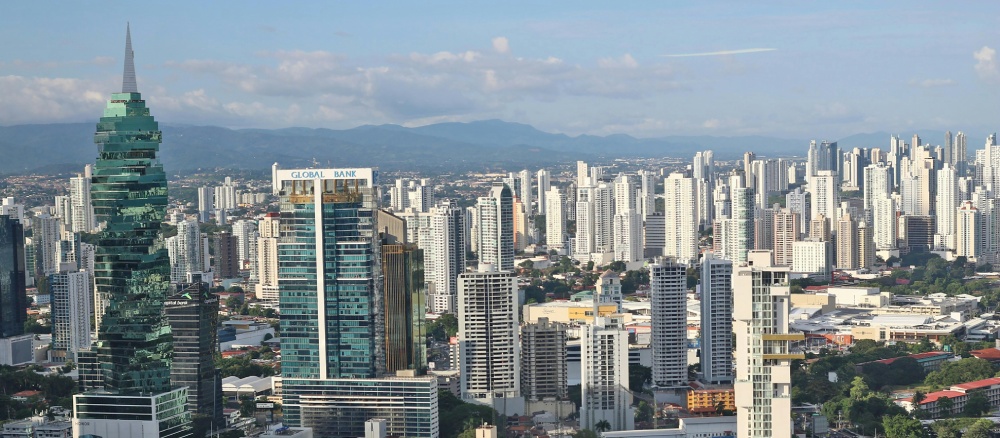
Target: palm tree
(602, 426)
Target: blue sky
(791, 69)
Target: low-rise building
(706, 401)
(959, 395)
(569, 311)
(929, 361)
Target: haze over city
(786, 69)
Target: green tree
(901, 426)
(977, 405)
(602, 426)
(964, 370)
(979, 429)
(644, 412)
(945, 406)
(442, 328)
(638, 377)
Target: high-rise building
(193, 313)
(786, 233)
(132, 269)
(544, 184)
(71, 295)
(884, 213)
(822, 188)
(866, 246)
(333, 325)
(188, 252)
(800, 202)
(680, 218)
(604, 218)
(668, 298)
(543, 360)
(404, 307)
(604, 373)
(46, 232)
(13, 298)
(847, 243)
(736, 234)
(496, 227)
(82, 210)
(226, 261)
(763, 348)
(628, 236)
(245, 231)
(443, 242)
(225, 196)
(489, 348)
(267, 258)
(968, 235)
(946, 207)
(716, 291)
(206, 203)
(812, 256)
(555, 219)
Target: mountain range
(482, 145)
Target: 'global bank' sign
(322, 174)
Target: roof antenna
(128, 78)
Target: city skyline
(782, 69)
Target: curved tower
(132, 269)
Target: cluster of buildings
(354, 280)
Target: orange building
(706, 401)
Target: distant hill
(484, 144)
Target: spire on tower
(128, 78)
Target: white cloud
(43, 99)
(721, 52)
(986, 62)
(626, 61)
(711, 123)
(501, 45)
(931, 83)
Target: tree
(638, 377)
(442, 328)
(977, 405)
(602, 426)
(901, 426)
(945, 406)
(964, 370)
(644, 412)
(979, 429)
(859, 389)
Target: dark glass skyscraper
(132, 269)
(193, 314)
(13, 300)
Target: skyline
(784, 70)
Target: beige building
(568, 312)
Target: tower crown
(128, 77)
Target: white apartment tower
(71, 310)
(268, 229)
(555, 219)
(968, 233)
(188, 251)
(884, 222)
(668, 289)
(544, 183)
(716, 319)
(604, 374)
(489, 347)
(763, 351)
(206, 202)
(680, 217)
(825, 198)
(443, 242)
(609, 289)
(495, 238)
(737, 232)
(628, 236)
(786, 232)
(82, 210)
(245, 231)
(946, 208)
(847, 243)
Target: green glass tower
(132, 269)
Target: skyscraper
(668, 300)
(267, 258)
(543, 360)
(489, 348)
(82, 210)
(555, 219)
(333, 321)
(193, 314)
(847, 243)
(786, 233)
(763, 351)
(132, 270)
(680, 217)
(443, 242)
(13, 299)
(604, 373)
(496, 227)
(206, 203)
(404, 307)
(716, 319)
(825, 197)
(544, 184)
(70, 314)
(188, 252)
